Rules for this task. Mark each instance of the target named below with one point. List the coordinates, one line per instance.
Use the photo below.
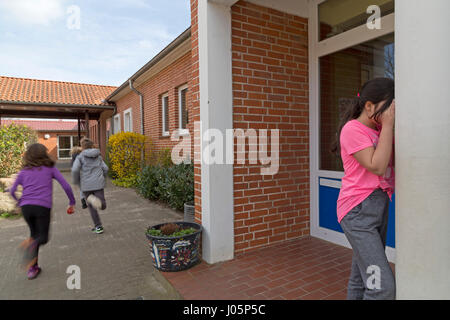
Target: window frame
(117, 128)
(129, 111)
(58, 149)
(182, 131)
(165, 131)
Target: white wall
(422, 150)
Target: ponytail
(351, 111)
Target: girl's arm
(65, 185)
(13, 189)
(376, 160)
(104, 168)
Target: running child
(36, 179)
(366, 134)
(89, 171)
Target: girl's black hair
(375, 91)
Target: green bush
(173, 185)
(165, 158)
(13, 143)
(147, 182)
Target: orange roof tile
(48, 91)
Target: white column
(422, 33)
(216, 112)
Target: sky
(86, 41)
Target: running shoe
(33, 272)
(97, 230)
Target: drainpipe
(141, 105)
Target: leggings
(38, 220)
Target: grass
(9, 215)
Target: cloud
(33, 12)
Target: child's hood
(91, 153)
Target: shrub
(13, 143)
(173, 185)
(125, 151)
(164, 158)
(177, 185)
(147, 182)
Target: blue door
(328, 195)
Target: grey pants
(365, 227)
(94, 214)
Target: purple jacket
(37, 186)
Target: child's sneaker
(97, 230)
(83, 203)
(33, 272)
(95, 202)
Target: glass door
(344, 53)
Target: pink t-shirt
(358, 182)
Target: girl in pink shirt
(366, 135)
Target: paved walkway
(305, 269)
(114, 265)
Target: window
(165, 114)
(117, 127)
(127, 121)
(108, 128)
(65, 145)
(182, 110)
(342, 75)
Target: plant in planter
(174, 246)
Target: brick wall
(166, 81)
(195, 101)
(270, 90)
(52, 142)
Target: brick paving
(114, 265)
(305, 269)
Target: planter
(175, 253)
(189, 212)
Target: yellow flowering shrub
(125, 152)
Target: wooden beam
(86, 118)
(79, 131)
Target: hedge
(173, 185)
(13, 143)
(125, 151)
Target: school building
(57, 135)
(291, 65)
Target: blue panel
(328, 217)
(327, 208)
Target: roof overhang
(52, 110)
(175, 50)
